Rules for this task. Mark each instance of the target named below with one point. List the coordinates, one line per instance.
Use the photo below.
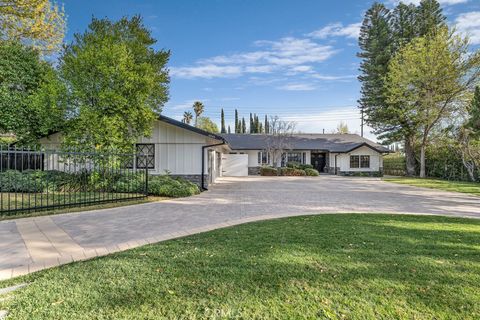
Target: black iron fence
(37, 179)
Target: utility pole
(361, 125)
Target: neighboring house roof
(190, 128)
(340, 143)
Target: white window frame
(367, 157)
(260, 158)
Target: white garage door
(235, 165)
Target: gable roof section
(341, 143)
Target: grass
(312, 267)
(457, 186)
(75, 199)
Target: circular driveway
(36, 243)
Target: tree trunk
(410, 161)
(470, 166)
(422, 161)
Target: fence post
(146, 180)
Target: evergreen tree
(244, 126)
(222, 116)
(403, 25)
(267, 126)
(382, 34)
(429, 17)
(375, 42)
(473, 123)
(251, 126)
(237, 127)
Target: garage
(235, 165)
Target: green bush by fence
(35, 181)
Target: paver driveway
(30, 244)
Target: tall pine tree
(237, 127)
(222, 120)
(244, 126)
(382, 34)
(430, 17)
(251, 126)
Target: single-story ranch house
(192, 153)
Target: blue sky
(295, 59)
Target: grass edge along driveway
(472, 188)
(325, 266)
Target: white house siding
(177, 150)
(343, 160)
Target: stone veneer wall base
(253, 171)
(195, 178)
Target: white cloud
(283, 55)
(332, 78)
(469, 24)
(186, 105)
(206, 71)
(337, 30)
(301, 68)
(297, 87)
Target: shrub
(268, 171)
(286, 171)
(167, 186)
(28, 181)
(311, 172)
(130, 182)
(293, 165)
(306, 166)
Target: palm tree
(187, 117)
(198, 109)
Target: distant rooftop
(304, 141)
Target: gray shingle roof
(327, 142)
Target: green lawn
(458, 186)
(313, 267)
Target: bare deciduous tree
(278, 141)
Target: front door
(318, 161)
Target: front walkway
(31, 244)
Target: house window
(263, 157)
(354, 162)
(145, 156)
(364, 161)
(359, 162)
(299, 157)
